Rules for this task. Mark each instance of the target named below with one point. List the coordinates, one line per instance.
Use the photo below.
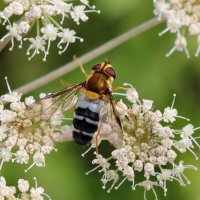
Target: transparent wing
(56, 102)
(112, 119)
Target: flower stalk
(60, 71)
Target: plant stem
(88, 56)
(5, 42)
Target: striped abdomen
(86, 120)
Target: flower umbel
(26, 133)
(44, 15)
(9, 192)
(150, 146)
(183, 19)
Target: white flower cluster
(150, 146)
(25, 192)
(26, 137)
(43, 14)
(182, 17)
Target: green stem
(5, 42)
(38, 28)
(55, 22)
(88, 56)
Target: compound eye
(96, 67)
(111, 72)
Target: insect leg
(119, 88)
(96, 139)
(80, 65)
(124, 109)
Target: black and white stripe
(86, 120)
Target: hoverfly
(97, 92)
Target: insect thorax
(98, 83)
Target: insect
(96, 93)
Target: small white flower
(62, 8)
(56, 119)
(50, 32)
(102, 162)
(121, 108)
(37, 45)
(2, 181)
(22, 156)
(47, 149)
(165, 132)
(23, 27)
(17, 106)
(180, 45)
(17, 7)
(49, 10)
(138, 165)
(78, 14)
(86, 2)
(147, 105)
(147, 184)
(132, 95)
(34, 13)
(179, 172)
(173, 24)
(29, 100)
(129, 173)
(160, 150)
(180, 168)
(168, 143)
(39, 159)
(149, 169)
(23, 185)
(171, 155)
(161, 7)
(67, 36)
(21, 142)
(185, 144)
(15, 34)
(6, 155)
(110, 175)
(36, 193)
(3, 134)
(188, 130)
(194, 29)
(7, 116)
(170, 114)
(162, 160)
(165, 175)
(7, 13)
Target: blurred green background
(140, 61)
